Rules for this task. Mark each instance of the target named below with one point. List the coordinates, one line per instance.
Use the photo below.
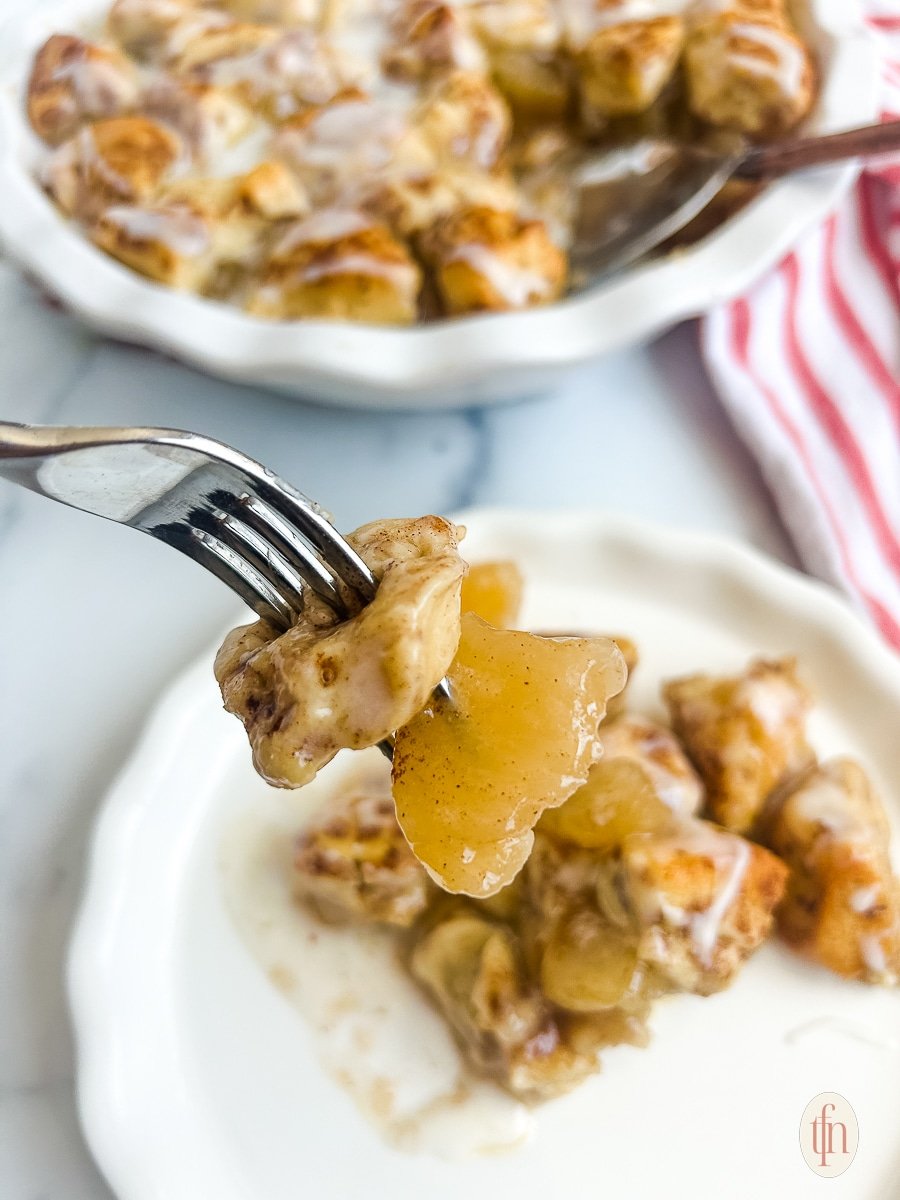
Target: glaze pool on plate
(199, 1078)
(375, 1033)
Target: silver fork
(260, 536)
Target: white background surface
(94, 620)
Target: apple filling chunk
(472, 775)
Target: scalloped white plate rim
(147, 1136)
(477, 359)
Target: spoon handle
(793, 154)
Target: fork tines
(265, 540)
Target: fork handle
(794, 154)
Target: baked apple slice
(472, 775)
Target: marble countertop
(96, 620)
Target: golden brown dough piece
(843, 903)
(486, 260)
(341, 265)
(473, 970)
(278, 74)
(209, 119)
(352, 863)
(412, 203)
(336, 147)
(325, 684)
(748, 72)
(745, 734)
(622, 69)
(529, 24)
(123, 160)
(142, 26)
(197, 227)
(267, 191)
(658, 903)
(73, 82)
(274, 12)
(522, 41)
(200, 44)
(429, 37)
(535, 84)
(703, 898)
(775, 10)
(465, 121)
(632, 738)
(158, 29)
(171, 242)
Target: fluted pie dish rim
(443, 364)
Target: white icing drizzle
(516, 285)
(348, 126)
(864, 899)
(467, 52)
(182, 231)
(681, 793)
(417, 40)
(731, 856)
(705, 927)
(53, 169)
(99, 87)
(824, 802)
(326, 225)
(364, 36)
(213, 124)
(785, 65)
(854, 1030)
(87, 157)
(657, 752)
(583, 18)
(531, 23)
(330, 225)
(192, 25)
(351, 138)
(773, 701)
(296, 69)
(699, 7)
(402, 275)
(144, 25)
(157, 10)
(872, 952)
(485, 145)
(243, 155)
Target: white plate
(479, 359)
(198, 1080)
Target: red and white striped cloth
(808, 366)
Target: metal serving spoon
(633, 198)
